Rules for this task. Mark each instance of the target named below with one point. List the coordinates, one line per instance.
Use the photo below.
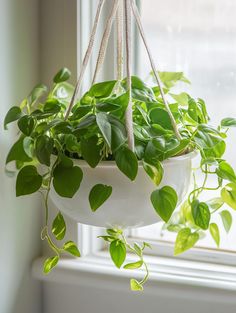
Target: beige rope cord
(105, 39)
(119, 30)
(86, 58)
(129, 110)
(117, 13)
(154, 69)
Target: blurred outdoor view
(196, 37)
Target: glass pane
(198, 38)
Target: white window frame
(87, 235)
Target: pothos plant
(95, 131)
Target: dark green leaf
(201, 214)
(226, 219)
(26, 124)
(59, 227)
(63, 75)
(28, 181)
(98, 195)
(161, 117)
(71, 248)
(12, 115)
(104, 126)
(118, 252)
(154, 171)
(18, 153)
(107, 107)
(90, 150)
(164, 201)
(102, 90)
(67, 178)
(80, 112)
(50, 263)
(185, 240)
(127, 162)
(43, 149)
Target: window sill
(92, 270)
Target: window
(198, 38)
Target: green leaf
(90, 150)
(201, 214)
(214, 231)
(225, 171)
(37, 92)
(19, 152)
(107, 107)
(98, 195)
(161, 117)
(181, 98)
(127, 162)
(28, 181)
(154, 171)
(164, 201)
(63, 75)
(104, 126)
(50, 263)
(135, 285)
(102, 90)
(117, 252)
(169, 79)
(67, 178)
(71, 248)
(12, 115)
(43, 149)
(80, 112)
(59, 227)
(226, 219)
(215, 203)
(135, 265)
(228, 194)
(185, 240)
(118, 133)
(228, 122)
(26, 124)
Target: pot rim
(172, 160)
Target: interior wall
(20, 218)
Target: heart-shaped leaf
(98, 195)
(164, 201)
(28, 181)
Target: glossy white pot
(130, 204)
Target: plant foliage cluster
(95, 131)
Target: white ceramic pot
(129, 205)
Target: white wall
(19, 219)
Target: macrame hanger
(86, 58)
(117, 13)
(120, 39)
(105, 39)
(129, 110)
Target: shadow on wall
(20, 218)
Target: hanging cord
(86, 58)
(129, 110)
(119, 32)
(105, 38)
(154, 69)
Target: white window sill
(98, 269)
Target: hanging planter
(129, 204)
(120, 156)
